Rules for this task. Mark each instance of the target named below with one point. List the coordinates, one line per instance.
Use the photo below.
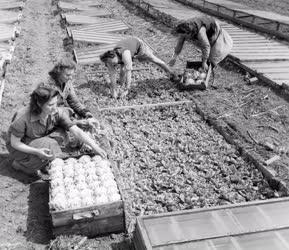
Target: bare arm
(112, 75)
(178, 49)
(42, 153)
(127, 60)
(180, 44)
(122, 75)
(75, 104)
(205, 45)
(83, 137)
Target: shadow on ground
(7, 170)
(39, 227)
(124, 245)
(38, 222)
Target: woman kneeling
(29, 144)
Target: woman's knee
(47, 142)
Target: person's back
(131, 43)
(203, 21)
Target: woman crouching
(29, 144)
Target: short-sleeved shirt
(131, 43)
(29, 127)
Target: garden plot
(170, 159)
(255, 111)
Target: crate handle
(85, 215)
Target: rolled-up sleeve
(18, 127)
(75, 104)
(63, 120)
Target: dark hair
(186, 28)
(107, 55)
(39, 97)
(62, 64)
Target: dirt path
(24, 210)
(39, 43)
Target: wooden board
(113, 224)
(80, 19)
(6, 35)
(2, 86)
(71, 6)
(265, 240)
(91, 56)
(71, 216)
(93, 3)
(111, 26)
(12, 5)
(252, 12)
(242, 32)
(226, 3)
(250, 57)
(265, 48)
(9, 17)
(96, 37)
(249, 38)
(94, 12)
(193, 229)
(6, 47)
(272, 70)
(91, 220)
(269, 65)
(267, 15)
(260, 52)
(10, 1)
(238, 35)
(277, 75)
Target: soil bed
(170, 159)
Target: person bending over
(214, 41)
(123, 54)
(29, 144)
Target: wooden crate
(195, 65)
(90, 221)
(93, 220)
(250, 226)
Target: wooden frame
(142, 240)
(251, 25)
(92, 220)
